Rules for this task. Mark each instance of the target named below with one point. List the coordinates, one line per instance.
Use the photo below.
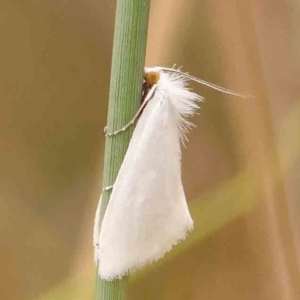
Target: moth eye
(152, 78)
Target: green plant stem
(124, 99)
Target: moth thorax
(152, 78)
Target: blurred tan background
(241, 170)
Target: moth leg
(107, 188)
(147, 99)
(96, 231)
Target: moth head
(151, 77)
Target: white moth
(147, 213)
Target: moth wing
(147, 213)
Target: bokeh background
(241, 170)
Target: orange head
(152, 78)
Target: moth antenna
(206, 83)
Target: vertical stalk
(124, 99)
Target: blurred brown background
(241, 170)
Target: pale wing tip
(119, 273)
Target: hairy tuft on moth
(147, 213)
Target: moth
(147, 213)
